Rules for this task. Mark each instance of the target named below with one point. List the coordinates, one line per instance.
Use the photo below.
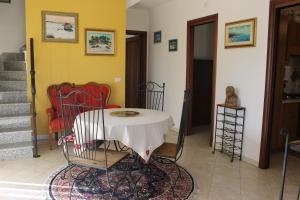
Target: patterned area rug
(130, 178)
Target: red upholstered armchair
(55, 121)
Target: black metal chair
(289, 145)
(152, 95)
(171, 150)
(80, 138)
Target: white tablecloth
(142, 133)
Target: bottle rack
(229, 131)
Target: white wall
(12, 26)
(244, 68)
(130, 3)
(204, 41)
(137, 19)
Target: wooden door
(202, 92)
(285, 115)
(133, 71)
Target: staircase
(15, 116)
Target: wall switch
(118, 80)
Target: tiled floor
(215, 176)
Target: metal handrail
(33, 93)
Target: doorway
(136, 67)
(282, 95)
(201, 72)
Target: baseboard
(250, 161)
(42, 137)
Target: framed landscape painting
(59, 27)
(99, 42)
(241, 33)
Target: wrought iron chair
(171, 150)
(152, 95)
(289, 145)
(83, 127)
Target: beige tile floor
(215, 177)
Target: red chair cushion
(54, 92)
(57, 124)
(95, 90)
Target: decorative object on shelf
(173, 45)
(229, 131)
(59, 27)
(4, 1)
(99, 42)
(241, 33)
(125, 113)
(231, 97)
(157, 37)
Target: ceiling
(148, 4)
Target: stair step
(15, 135)
(19, 150)
(13, 97)
(13, 75)
(13, 109)
(13, 85)
(21, 121)
(7, 56)
(15, 66)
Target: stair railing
(33, 92)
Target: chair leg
(298, 194)
(283, 176)
(50, 138)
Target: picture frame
(100, 42)
(59, 27)
(173, 45)
(157, 37)
(241, 33)
(5, 1)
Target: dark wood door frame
(143, 70)
(190, 56)
(275, 6)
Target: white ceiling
(148, 4)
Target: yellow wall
(61, 62)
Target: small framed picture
(99, 42)
(59, 27)
(4, 1)
(173, 45)
(241, 33)
(157, 37)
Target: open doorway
(136, 67)
(201, 73)
(282, 95)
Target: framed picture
(59, 27)
(99, 42)
(4, 1)
(157, 37)
(241, 33)
(173, 45)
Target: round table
(143, 133)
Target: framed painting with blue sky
(241, 33)
(99, 42)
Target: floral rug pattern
(129, 179)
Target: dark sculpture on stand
(231, 97)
